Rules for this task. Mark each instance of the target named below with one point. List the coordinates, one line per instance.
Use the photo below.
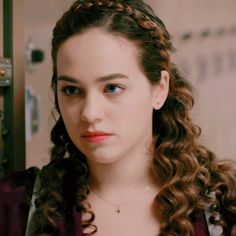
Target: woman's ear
(161, 90)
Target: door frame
(14, 95)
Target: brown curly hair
(187, 170)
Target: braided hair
(187, 171)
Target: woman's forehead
(98, 51)
(95, 39)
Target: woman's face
(101, 88)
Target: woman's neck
(125, 175)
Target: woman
(125, 160)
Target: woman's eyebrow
(100, 79)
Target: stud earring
(157, 106)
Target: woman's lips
(95, 136)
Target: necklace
(118, 206)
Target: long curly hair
(187, 171)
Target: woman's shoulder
(17, 181)
(203, 226)
(15, 192)
(199, 223)
(15, 187)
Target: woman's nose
(92, 110)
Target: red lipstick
(95, 136)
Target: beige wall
(40, 17)
(215, 109)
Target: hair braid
(161, 37)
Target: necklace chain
(118, 206)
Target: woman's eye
(113, 89)
(70, 90)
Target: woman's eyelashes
(114, 89)
(109, 89)
(70, 90)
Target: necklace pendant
(118, 211)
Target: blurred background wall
(40, 17)
(204, 35)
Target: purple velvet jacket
(14, 208)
